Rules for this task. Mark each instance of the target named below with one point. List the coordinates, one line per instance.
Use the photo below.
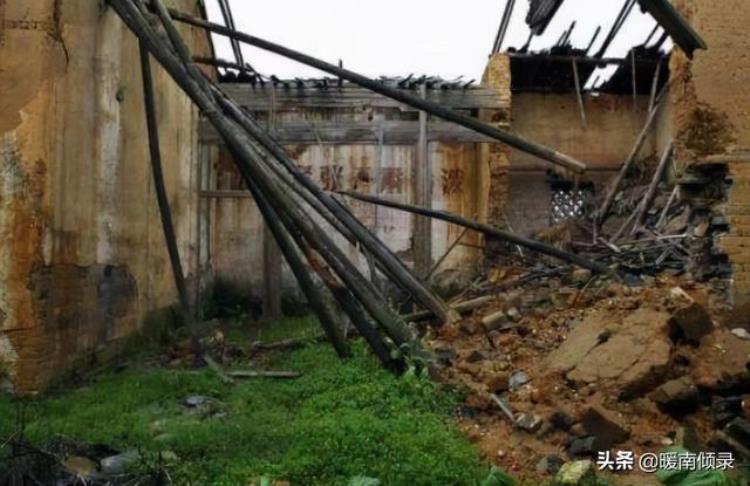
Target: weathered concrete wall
(82, 257)
(710, 115)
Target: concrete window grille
(567, 203)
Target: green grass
(338, 421)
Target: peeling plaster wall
(82, 257)
(710, 117)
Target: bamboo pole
(162, 199)
(512, 139)
(533, 245)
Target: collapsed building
(84, 265)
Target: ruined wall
(82, 257)
(613, 124)
(237, 228)
(710, 117)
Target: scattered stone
(577, 430)
(573, 473)
(513, 314)
(82, 467)
(582, 447)
(528, 422)
(495, 321)
(741, 333)
(580, 276)
(723, 410)
(118, 464)
(678, 396)
(469, 327)
(517, 380)
(476, 356)
(605, 427)
(549, 464)
(445, 355)
(721, 362)
(195, 401)
(693, 322)
(498, 382)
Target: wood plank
(422, 197)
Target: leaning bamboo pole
(250, 161)
(534, 245)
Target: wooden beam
(394, 132)
(257, 98)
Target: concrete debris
(517, 380)
(528, 422)
(741, 333)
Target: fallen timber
(254, 168)
(512, 139)
(533, 245)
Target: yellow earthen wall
(82, 256)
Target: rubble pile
(562, 367)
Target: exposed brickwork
(710, 110)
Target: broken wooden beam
(642, 136)
(533, 245)
(645, 204)
(510, 138)
(463, 307)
